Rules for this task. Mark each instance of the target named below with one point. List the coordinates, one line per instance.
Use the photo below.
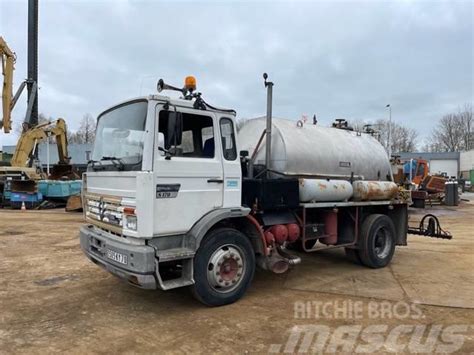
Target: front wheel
(377, 241)
(224, 266)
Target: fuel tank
(313, 151)
(374, 190)
(319, 190)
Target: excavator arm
(30, 138)
(8, 62)
(60, 133)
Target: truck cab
(137, 150)
(163, 172)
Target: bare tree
(86, 132)
(41, 119)
(467, 124)
(454, 132)
(404, 139)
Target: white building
(466, 163)
(440, 163)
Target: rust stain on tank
(377, 190)
(373, 190)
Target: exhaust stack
(268, 131)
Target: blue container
(31, 199)
(57, 189)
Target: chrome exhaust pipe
(279, 261)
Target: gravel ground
(52, 299)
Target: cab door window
(229, 149)
(197, 139)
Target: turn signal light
(129, 210)
(190, 83)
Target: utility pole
(32, 81)
(389, 131)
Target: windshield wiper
(92, 164)
(118, 163)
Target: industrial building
(79, 154)
(447, 163)
(453, 164)
(466, 165)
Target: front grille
(105, 212)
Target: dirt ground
(53, 299)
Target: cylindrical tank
(451, 197)
(330, 228)
(319, 190)
(280, 233)
(316, 151)
(374, 190)
(293, 232)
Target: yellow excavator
(31, 136)
(8, 65)
(23, 172)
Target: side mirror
(244, 153)
(174, 129)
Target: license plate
(120, 258)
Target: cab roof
(172, 101)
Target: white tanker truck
(174, 197)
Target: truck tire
(353, 255)
(224, 266)
(377, 241)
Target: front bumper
(140, 269)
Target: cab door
(189, 176)
(230, 162)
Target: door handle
(217, 181)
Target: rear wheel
(377, 241)
(224, 266)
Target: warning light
(190, 83)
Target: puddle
(55, 280)
(11, 232)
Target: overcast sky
(338, 59)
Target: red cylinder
(269, 238)
(280, 232)
(330, 228)
(293, 231)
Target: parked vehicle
(174, 197)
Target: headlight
(131, 222)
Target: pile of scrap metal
(414, 176)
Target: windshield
(120, 136)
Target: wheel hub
(382, 243)
(225, 268)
